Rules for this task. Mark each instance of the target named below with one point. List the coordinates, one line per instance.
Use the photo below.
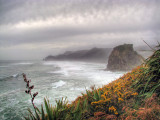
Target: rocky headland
(123, 58)
(93, 55)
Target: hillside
(92, 55)
(134, 96)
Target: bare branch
(149, 46)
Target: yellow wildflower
(112, 109)
(134, 94)
(120, 100)
(116, 112)
(108, 100)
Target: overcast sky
(33, 29)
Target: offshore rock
(124, 58)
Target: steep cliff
(123, 57)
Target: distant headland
(92, 55)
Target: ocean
(51, 79)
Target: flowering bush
(122, 99)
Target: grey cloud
(100, 19)
(21, 10)
(53, 35)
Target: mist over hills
(95, 54)
(91, 55)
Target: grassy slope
(135, 95)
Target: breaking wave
(9, 77)
(58, 84)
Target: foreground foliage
(135, 95)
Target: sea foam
(78, 89)
(3, 66)
(63, 72)
(23, 63)
(58, 84)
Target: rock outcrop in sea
(123, 58)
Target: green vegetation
(149, 82)
(134, 96)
